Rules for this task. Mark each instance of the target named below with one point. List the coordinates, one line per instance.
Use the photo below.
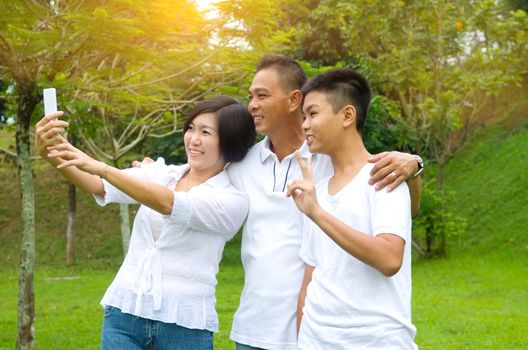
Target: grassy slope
(97, 229)
(476, 299)
(491, 184)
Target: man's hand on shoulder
(392, 168)
(146, 160)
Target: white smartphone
(50, 101)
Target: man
(272, 233)
(356, 291)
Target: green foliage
(385, 128)
(3, 107)
(438, 60)
(435, 226)
(313, 69)
(441, 61)
(170, 147)
(262, 33)
(141, 83)
(518, 4)
(123, 70)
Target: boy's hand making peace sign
(303, 190)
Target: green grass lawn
(68, 314)
(471, 302)
(477, 298)
(468, 302)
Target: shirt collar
(220, 180)
(266, 152)
(305, 151)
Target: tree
(137, 86)
(72, 209)
(127, 68)
(440, 60)
(26, 55)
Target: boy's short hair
(343, 87)
(291, 75)
(236, 128)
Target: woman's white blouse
(173, 278)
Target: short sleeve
(306, 252)
(235, 172)
(391, 212)
(221, 211)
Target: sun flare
(205, 4)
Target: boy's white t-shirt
(349, 304)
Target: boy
(356, 291)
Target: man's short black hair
(291, 75)
(236, 129)
(343, 87)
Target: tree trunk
(441, 184)
(70, 233)
(125, 223)
(26, 294)
(125, 226)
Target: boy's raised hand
(303, 190)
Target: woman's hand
(303, 190)
(48, 132)
(74, 157)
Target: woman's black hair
(236, 129)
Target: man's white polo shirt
(270, 246)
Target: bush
(435, 224)
(385, 128)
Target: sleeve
(235, 173)
(218, 211)
(306, 252)
(115, 195)
(391, 212)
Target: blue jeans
(123, 331)
(246, 347)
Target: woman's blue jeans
(246, 347)
(123, 331)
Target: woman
(164, 293)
